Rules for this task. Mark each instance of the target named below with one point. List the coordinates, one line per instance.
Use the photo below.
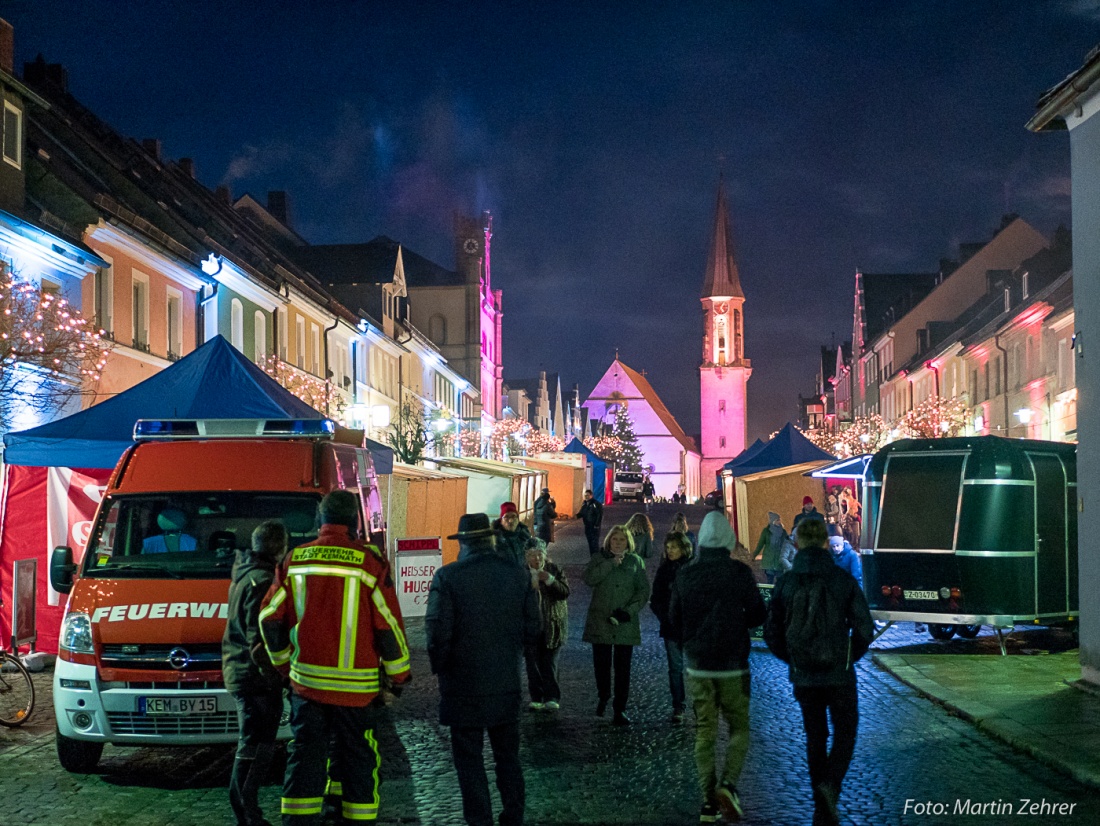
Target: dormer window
(13, 135)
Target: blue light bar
(175, 429)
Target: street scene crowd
(323, 620)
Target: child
(677, 553)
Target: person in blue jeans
(677, 554)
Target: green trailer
(971, 531)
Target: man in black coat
(591, 513)
(251, 679)
(714, 603)
(545, 513)
(482, 611)
(818, 596)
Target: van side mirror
(61, 569)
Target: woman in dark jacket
(677, 554)
(542, 657)
(620, 591)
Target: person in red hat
(512, 535)
(809, 511)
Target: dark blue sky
(854, 135)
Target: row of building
(161, 263)
(982, 344)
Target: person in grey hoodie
(771, 546)
(251, 679)
(714, 603)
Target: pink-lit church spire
(724, 371)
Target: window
(1023, 286)
(50, 288)
(103, 299)
(282, 319)
(140, 312)
(315, 350)
(721, 405)
(13, 134)
(300, 342)
(437, 329)
(236, 324)
(721, 441)
(259, 337)
(175, 324)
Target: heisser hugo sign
(417, 561)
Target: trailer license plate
(921, 595)
(179, 706)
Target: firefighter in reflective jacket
(332, 623)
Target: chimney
(187, 167)
(7, 47)
(278, 204)
(222, 194)
(41, 74)
(152, 147)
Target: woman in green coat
(620, 590)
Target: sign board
(24, 592)
(418, 559)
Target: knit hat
(836, 544)
(715, 532)
(807, 500)
(509, 507)
(773, 516)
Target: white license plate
(921, 595)
(179, 706)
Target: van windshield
(189, 535)
(629, 478)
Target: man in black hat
(482, 610)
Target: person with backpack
(819, 624)
(714, 603)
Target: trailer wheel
(941, 632)
(968, 631)
(78, 756)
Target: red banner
(72, 499)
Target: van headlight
(76, 633)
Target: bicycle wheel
(16, 692)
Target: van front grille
(160, 657)
(128, 722)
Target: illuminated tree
(506, 436)
(607, 448)
(49, 353)
(936, 417)
(539, 441)
(321, 395)
(630, 454)
(409, 433)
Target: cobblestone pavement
(580, 769)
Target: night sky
(873, 135)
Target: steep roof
(889, 296)
(376, 260)
(658, 406)
(722, 277)
(788, 447)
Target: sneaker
(552, 705)
(709, 813)
(535, 706)
(729, 802)
(677, 716)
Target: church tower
(724, 372)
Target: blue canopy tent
(215, 381)
(788, 447)
(599, 469)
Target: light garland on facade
(319, 394)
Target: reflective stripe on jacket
(331, 620)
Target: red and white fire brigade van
(140, 649)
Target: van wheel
(941, 632)
(78, 756)
(968, 631)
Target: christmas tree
(630, 455)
